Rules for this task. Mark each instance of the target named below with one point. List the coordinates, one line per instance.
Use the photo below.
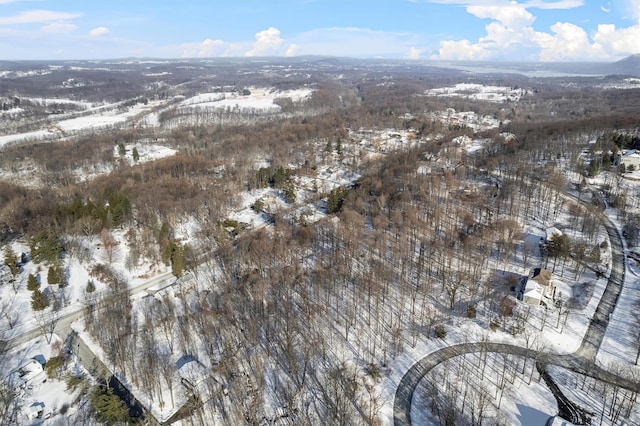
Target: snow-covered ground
(627, 83)
(59, 101)
(146, 152)
(98, 118)
(479, 92)
(258, 99)
(466, 119)
(524, 404)
(52, 394)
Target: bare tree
(46, 323)
(9, 311)
(109, 243)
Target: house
(197, 379)
(630, 158)
(551, 233)
(537, 288)
(192, 373)
(35, 410)
(28, 373)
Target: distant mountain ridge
(627, 66)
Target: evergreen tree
(32, 283)
(258, 206)
(52, 275)
(136, 155)
(328, 147)
(109, 408)
(177, 262)
(289, 193)
(177, 258)
(55, 275)
(119, 210)
(91, 287)
(39, 300)
(10, 259)
(45, 246)
(335, 199)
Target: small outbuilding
(35, 410)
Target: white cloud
(633, 9)
(18, 1)
(537, 4)
(510, 27)
(414, 53)
(462, 50)
(235, 49)
(209, 47)
(568, 41)
(58, 28)
(550, 5)
(292, 50)
(37, 17)
(99, 32)
(206, 48)
(266, 41)
(514, 16)
(511, 33)
(618, 42)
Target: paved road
(598, 325)
(582, 361)
(62, 320)
(573, 362)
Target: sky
(500, 30)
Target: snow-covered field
(146, 152)
(97, 119)
(258, 99)
(479, 92)
(59, 101)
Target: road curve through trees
(582, 361)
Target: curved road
(582, 361)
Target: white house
(629, 158)
(29, 372)
(537, 287)
(35, 410)
(551, 233)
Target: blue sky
(526, 30)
